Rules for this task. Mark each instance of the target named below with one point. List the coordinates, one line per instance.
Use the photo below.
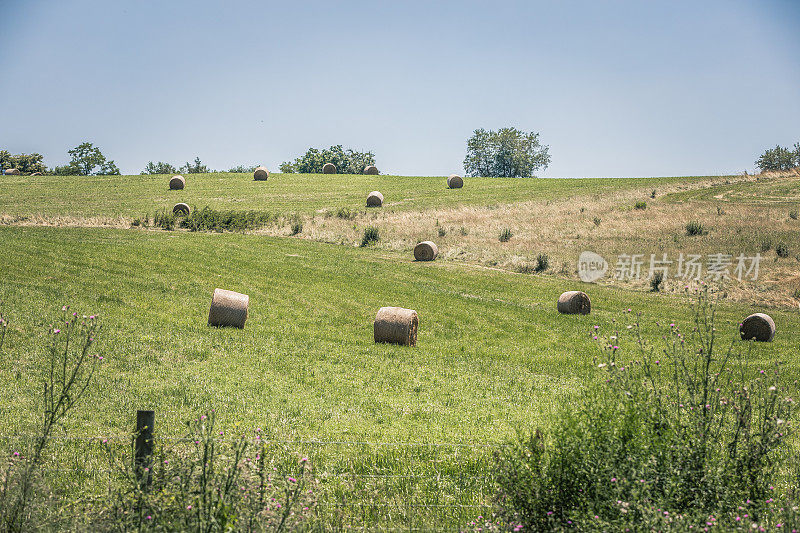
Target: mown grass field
(493, 356)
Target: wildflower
(292, 480)
(56, 331)
(188, 507)
(149, 517)
(613, 480)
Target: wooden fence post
(143, 447)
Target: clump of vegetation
(782, 249)
(656, 281)
(720, 211)
(779, 158)
(297, 226)
(694, 228)
(653, 194)
(671, 438)
(442, 231)
(505, 235)
(641, 204)
(215, 484)
(597, 221)
(793, 214)
(345, 213)
(542, 262)
(346, 161)
(164, 219)
(766, 244)
(208, 219)
(463, 231)
(371, 236)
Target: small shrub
(136, 222)
(597, 221)
(583, 209)
(542, 262)
(297, 227)
(793, 214)
(641, 204)
(505, 235)
(525, 268)
(371, 236)
(207, 219)
(656, 281)
(463, 231)
(796, 296)
(345, 213)
(694, 228)
(653, 194)
(766, 244)
(782, 249)
(164, 219)
(720, 211)
(442, 231)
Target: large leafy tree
(507, 152)
(87, 160)
(346, 161)
(25, 163)
(779, 158)
(194, 168)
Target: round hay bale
(374, 199)
(177, 183)
(228, 308)
(396, 325)
(329, 168)
(12, 172)
(574, 303)
(425, 251)
(181, 209)
(36, 174)
(758, 326)
(261, 174)
(455, 181)
(371, 169)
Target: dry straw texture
(425, 251)
(758, 326)
(396, 325)
(177, 183)
(329, 168)
(36, 174)
(374, 199)
(455, 181)
(574, 303)
(12, 172)
(261, 174)
(181, 209)
(228, 308)
(371, 169)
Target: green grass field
(132, 196)
(493, 355)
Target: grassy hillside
(132, 196)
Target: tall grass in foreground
(677, 437)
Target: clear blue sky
(616, 88)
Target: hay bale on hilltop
(228, 308)
(181, 209)
(574, 303)
(758, 326)
(12, 172)
(371, 169)
(329, 168)
(177, 183)
(374, 199)
(425, 251)
(455, 181)
(396, 325)
(261, 174)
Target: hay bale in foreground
(329, 168)
(425, 251)
(374, 199)
(181, 209)
(228, 308)
(371, 169)
(396, 325)
(758, 326)
(261, 174)
(177, 183)
(12, 172)
(574, 303)
(455, 181)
